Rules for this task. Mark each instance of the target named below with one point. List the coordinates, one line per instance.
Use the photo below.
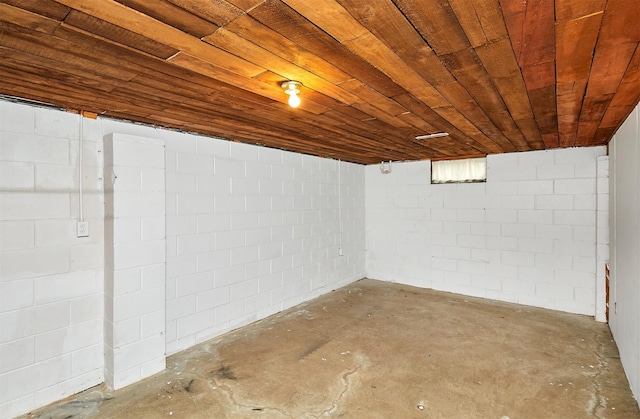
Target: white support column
(602, 235)
(134, 258)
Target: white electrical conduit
(340, 207)
(80, 166)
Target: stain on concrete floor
(380, 350)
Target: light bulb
(294, 100)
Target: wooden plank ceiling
(498, 75)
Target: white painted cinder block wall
(252, 231)
(527, 235)
(51, 281)
(249, 231)
(624, 312)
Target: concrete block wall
(624, 303)
(252, 231)
(527, 235)
(249, 231)
(51, 281)
(135, 258)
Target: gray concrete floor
(381, 350)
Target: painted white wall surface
(51, 281)
(252, 231)
(134, 280)
(249, 231)
(527, 235)
(624, 301)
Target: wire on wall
(80, 169)
(340, 251)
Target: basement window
(459, 171)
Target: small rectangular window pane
(459, 171)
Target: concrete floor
(381, 350)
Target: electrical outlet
(83, 228)
(340, 252)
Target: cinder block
(130, 255)
(213, 222)
(180, 183)
(193, 284)
(518, 230)
(139, 352)
(229, 312)
(243, 152)
(214, 185)
(535, 245)
(574, 186)
(152, 324)
(138, 303)
(190, 325)
(535, 187)
(213, 146)
(64, 287)
(229, 239)
(86, 308)
(222, 295)
(195, 243)
(126, 331)
(181, 266)
(184, 306)
(229, 167)
(518, 258)
(17, 354)
(152, 180)
(30, 263)
(585, 202)
(197, 164)
(32, 206)
(257, 269)
(34, 149)
(15, 117)
(17, 235)
(229, 203)
(562, 202)
(575, 217)
(131, 204)
(194, 203)
(455, 227)
(139, 152)
(17, 176)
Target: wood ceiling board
(250, 29)
(373, 80)
(118, 14)
(253, 86)
(235, 44)
(538, 38)
(466, 105)
(437, 23)
(468, 69)
(386, 22)
(118, 35)
(50, 48)
(514, 12)
(27, 19)
(50, 9)
(331, 17)
(501, 65)
(481, 22)
(626, 97)
(218, 12)
(172, 15)
(287, 22)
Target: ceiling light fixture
(292, 88)
(436, 135)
